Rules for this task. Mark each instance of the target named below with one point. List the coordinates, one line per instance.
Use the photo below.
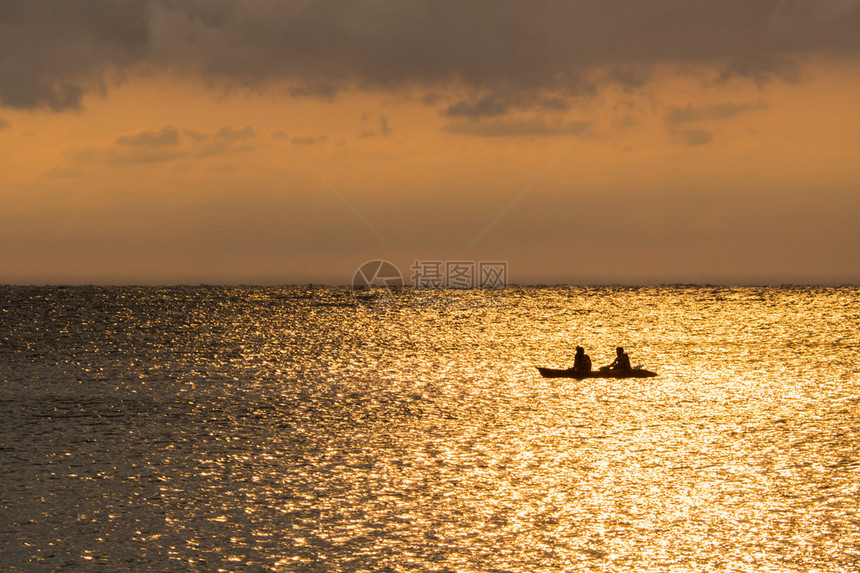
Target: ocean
(309, 429)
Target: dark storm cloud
(678, 119)
(230, 134)
(54, 52)
(166, 144)
(502, 103)
(380, 125)
(517, 127)
(315, 90)
(51, 53)
(487, 106)
(309, 139)
(384, 128)
(167, 136)
(197, 136)
(693, 137)
(681, 115)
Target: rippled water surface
(295, 429)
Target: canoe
(571, 373)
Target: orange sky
(166, 177)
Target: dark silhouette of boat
(571, 373)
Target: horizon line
(739, 284)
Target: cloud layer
(515, 54)
(167, 144)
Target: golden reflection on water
(703, 467)
(292, 430)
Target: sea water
(309, 429)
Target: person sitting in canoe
(621, 362)
(581, 362)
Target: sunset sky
(705, 141)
